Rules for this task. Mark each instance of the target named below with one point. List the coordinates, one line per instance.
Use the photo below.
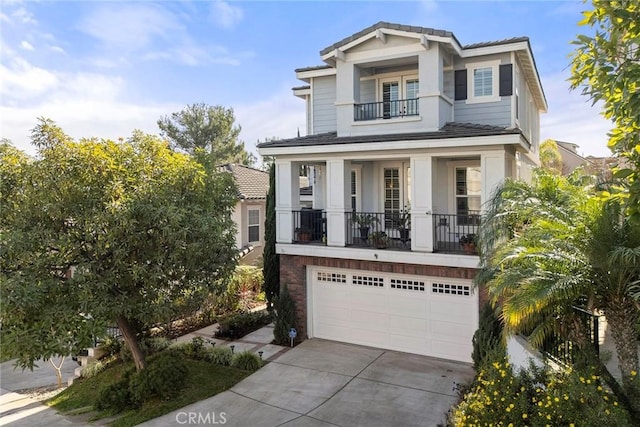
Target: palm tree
(548, 245)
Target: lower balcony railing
(379, 230)
(456, 233)
(309, 226)
(385, 109)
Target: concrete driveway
(325, 383)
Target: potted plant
(468, 243)
(379, 239)
(303, 234)
(403, 223)
(364, 223)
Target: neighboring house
(570, 157)
(249, 213)
(409, 132)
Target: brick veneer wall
(293, 275)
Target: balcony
(456, 233)
(309, 226)
(378, 230)
(385, 109)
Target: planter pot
(469, 248)
(404, 234)
(304, 236)
(364, 233)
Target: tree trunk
(132, 342)
(622, 316)
(58, 370)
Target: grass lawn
(204, 380)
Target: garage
(432, 316)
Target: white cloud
(22, 81)
(26, 45)
(225, 15)
(57, 49)
(571, 118)
(24, 16)
(130, 27)
(280, 116)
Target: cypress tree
(271, 261)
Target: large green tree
(96, 232)
(207, 131)
(547, 246)
(607, 67)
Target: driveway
(326, 383)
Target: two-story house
(408, 133)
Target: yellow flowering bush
(537, 397)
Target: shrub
(238, 325)
(537, 397)
(246, 361)
(111, 345)
(156, 344)
(245, 283)
(219, 355)
(116, 396)
(195, 349)
(92, 369)
(487, 340)
(164, 376)
(285, 317)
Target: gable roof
(390, 26)
(253, 184)
(450, 130)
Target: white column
(421, 204)
(430, 77)
(287, 198)
(338, 184)
(493, 167)
(346, 74)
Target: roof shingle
(253, 184)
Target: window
(399, 96)
(483, 82)
(253, 221)
(467, 197)
(397, 187)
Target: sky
(104, 68)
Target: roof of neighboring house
(496, 42)
(450, 130)
(253, 184)
(301, 87)
(312, 68)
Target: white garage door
(433, 316)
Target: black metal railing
(377, 230)
(557, 344)
(309, 226)
(456, 233)
(385, 109)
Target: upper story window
(482, 79)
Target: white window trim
(259, 224)
(495, 82)
(357, 169)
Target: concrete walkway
(326, 383)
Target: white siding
(324, 109)
(367, 91)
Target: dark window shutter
(506, 79)
(460, 78)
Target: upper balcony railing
(379, 230)
(309, 226)
(456, 233)
(385, 109)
